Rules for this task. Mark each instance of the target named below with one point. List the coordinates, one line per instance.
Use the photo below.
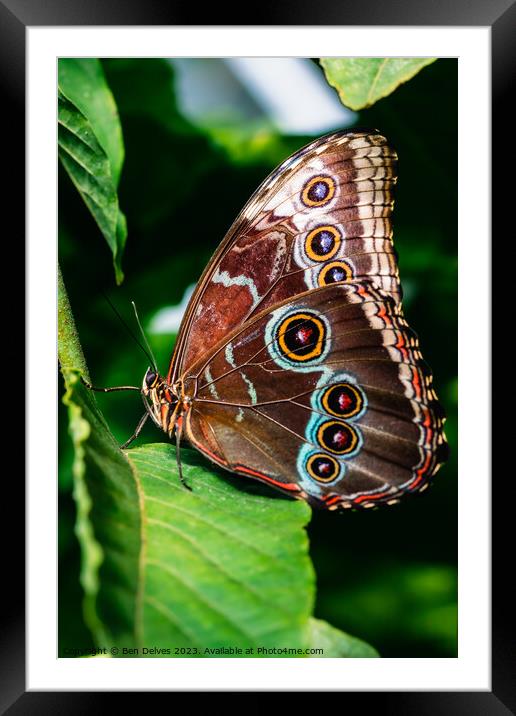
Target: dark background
(389, 575)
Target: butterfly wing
(325, 397)
(323, 216)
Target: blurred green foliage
(389, 575)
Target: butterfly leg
(179, 432)
(136, 432)
(108, 390)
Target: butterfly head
(151, 380)
(160, 400)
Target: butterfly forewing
(323, 216)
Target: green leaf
(88, 167)
(362, 81)
(223, 566)
(83, 83)
(91, 148)
(336, 643)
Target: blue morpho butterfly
(294, 364)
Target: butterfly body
(294, 364)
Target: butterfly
(294, 364)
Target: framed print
(340, 426)
(158, 551)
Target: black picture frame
(15, 17)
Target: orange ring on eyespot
(316, 461)
(356, 405)
(310, 190)
(329, 442)
(343, 265)
(334, 234)
(310, 322)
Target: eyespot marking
(318, 191)
(337, 437)
(322, 467)
(335, 272)
(343, 400)
(322, 243)
(301, 337)
(298, 339)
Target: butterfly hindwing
(324, 396)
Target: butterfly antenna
(148, 352)
(149, 349)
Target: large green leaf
(362, 81)
(91, 150)
(223, 566)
